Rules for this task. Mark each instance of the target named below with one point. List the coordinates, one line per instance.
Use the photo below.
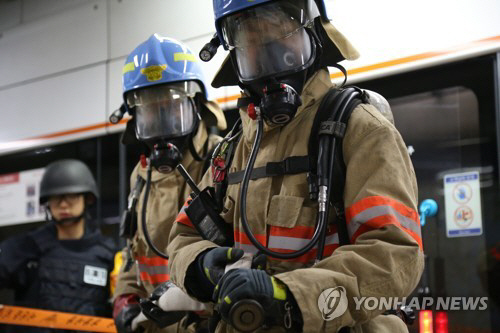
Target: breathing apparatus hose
(143, 214)
(243, 202)
(326, 150)
(329, 145)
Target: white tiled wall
(53, 44)
(58, 103)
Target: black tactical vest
(69, 275)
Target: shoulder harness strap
(128, 223)
(289, 166)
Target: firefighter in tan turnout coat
(166, 95)
(279, 51)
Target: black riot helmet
(66, 177)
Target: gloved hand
(250, 298)
(168, 304)
(204, 273)
(125, 309)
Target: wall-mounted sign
(19, 197)
(462, 196)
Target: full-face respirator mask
(165, 118)
(272, 46)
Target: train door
(447, 116)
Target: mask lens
(269, 39)
(165, 111)
(261, 24)
(287, 54)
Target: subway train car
(437, 64)
(446, 107)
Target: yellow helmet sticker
(129, 67)
(153, 73)
(184, 57)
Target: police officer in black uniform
(65, 264)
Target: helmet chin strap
(69, 220)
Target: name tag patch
(95, 275)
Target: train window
(447, 116)
(441, 127)
(442, 130)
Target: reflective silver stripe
(358, 220)
(332, 239)
(153, 270)
(293, 243)
(287, 243)
(247, 248)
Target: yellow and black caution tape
(15, 315)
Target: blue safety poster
(462, 196)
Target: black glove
(250, 298)
(204, 273)
(123, 320)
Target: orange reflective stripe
(184, 219)
(153, 269)
(369, 202)
(309, 256)
(298, 231)
(152, 261)
(296, 244)
(287, 240)
(382, 221)
(241, 241)
(376, 212)
(242, 238)
(154, 278)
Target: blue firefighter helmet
(160, 79)
(164, 91)
(273, 38)
(223, 8)
(161, 60)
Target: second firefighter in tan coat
(166, 95)
(285, 42)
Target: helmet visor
(165, 111)
(269, 39)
